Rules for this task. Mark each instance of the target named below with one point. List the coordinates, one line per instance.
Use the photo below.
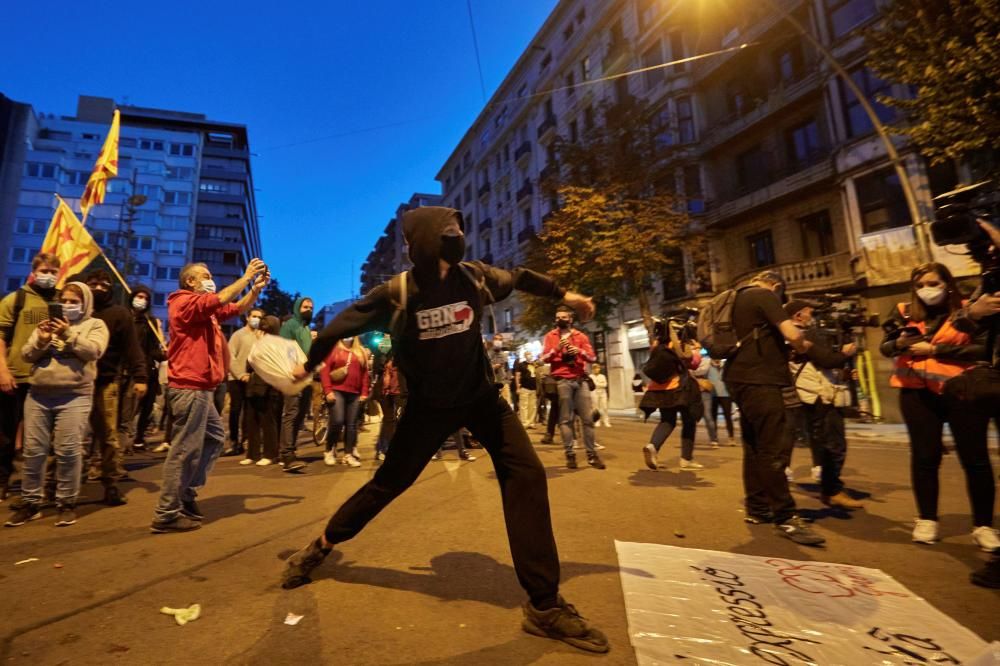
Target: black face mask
(101, 298)
(306, 316)
(562, 323)
(452, 248)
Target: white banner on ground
(692, 606)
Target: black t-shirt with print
(527, 371)
(763, 360)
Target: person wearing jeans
(293, 414)
(63, 353)
(388, 400)
(568, 351)
(345, 381)
(198, 360)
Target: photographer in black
(822, 394)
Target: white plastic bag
(275, 359)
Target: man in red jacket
(568, 352)
(198, 360)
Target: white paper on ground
(293, 619)
(706, 607)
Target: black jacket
(148, 342)
(123, 356)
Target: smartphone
(911, 331)
(55, 311)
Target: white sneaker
(607, 425)
(817, 473)
(597, 424)
(329, 459)
(649, 453)
(789, 474)
(690, 464)
(162, 448)
(599, 447)
(925, 531)
(354, 452)
(380, 456)
(713, 445)
(352, 461)
(986, 538)
(264, 462)
(246, 461)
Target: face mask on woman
(72, 311)
(932, 295)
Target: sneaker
(264, 462)
(796, 529)
(789, 474)
(329, 459)
(599, 447)
(162, 448)
(67, 516)
(468, 457)
(989, 575)
(690, 464)
(758, 518)
(93, 475)
(571, 461)
(301, 564)
(595, 461)
(231, 451)
(649, 453)
(817, 473)
(925, 531)
(189, 508)
(354, 452)
(292, 465)
(713, 445)
(380, 456)
(986, 538)
(436, 456)
(351, 461)
(547, 440)
(842, 500)
(113, 497)
(26, 513)
(179, 524)
(564, 623)
(246, 461)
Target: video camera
(834, 312)
(955, 223)
(683, 322)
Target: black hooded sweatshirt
(123, 353)
(148, 342)
(440, 352)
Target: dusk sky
(399, 79)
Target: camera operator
(928, 349)
(820, 392)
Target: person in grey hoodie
(63, 353)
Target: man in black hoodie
(435, 318)
(134, 410)
(123, 358)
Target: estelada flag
(69, 240)
(105, 169)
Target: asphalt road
(430, 580)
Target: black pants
(146, 411)
(767, 450)
(237, 397)
(262, 424)
(550, 426)
(726, 403)
(668, 421)
(925, 414)
(11, 415)
(388, 426)
(523, 485)
(829, 441)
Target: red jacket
(198, 355)
(553, 355)
(356, 380)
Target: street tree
(276, 301)
(948, 53)
(621, 225)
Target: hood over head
(88, 300)
(423, 228)
(297, 307)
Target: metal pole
(919, 230)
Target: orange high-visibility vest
(929, 372)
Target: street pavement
(430, 580)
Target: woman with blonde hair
(345, 381)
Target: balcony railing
(826, 272)
(522, 150)
(486, 224)
(484, 189)
(548, 125)
(526, 190)
(765, 21)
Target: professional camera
(834, 312)
(955, 223)
(682, 322)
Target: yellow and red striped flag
(69, 240)
(105, 169)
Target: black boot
(113, 497)
(571, 460)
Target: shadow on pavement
(225, 506)
(288, 644)
(526, 650)
(683, 480)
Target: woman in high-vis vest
(930, 351)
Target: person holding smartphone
(63, 352)
(928, 349)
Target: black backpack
(399, 289)
(19, 298)
(716, 331)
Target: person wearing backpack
(20, 314)
(434, 314)
(748, 328)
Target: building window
(28, 226)
(803, 144)
(20, 255)
(652, 57)
(141, 243)
(846, 15)
(526, 218)
(160, 299)
(858, 122)
(751, 169)
(150, 144)
(167, 273)
(817, 235)
(179, 173)
(588, 119)
(13, 284)
(574, 131)
(175, 198)
(789, 62)
(677, 49)
(148, 191)
(182, 149)
(127, 142)
(568, 31)
(508, 319)
(230, 258)
(685, 120)
(881, 201)
(585, 69)
(212, 232)
(761, 249)
(178, 247)
(175, 222)
(142, 269)
(39, 170)
(75, 177)
(213, 187)
(571, 84)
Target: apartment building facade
(193, 173)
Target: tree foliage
(621, 224)
(948, 51)
(276, 301)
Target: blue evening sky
(296, 73)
